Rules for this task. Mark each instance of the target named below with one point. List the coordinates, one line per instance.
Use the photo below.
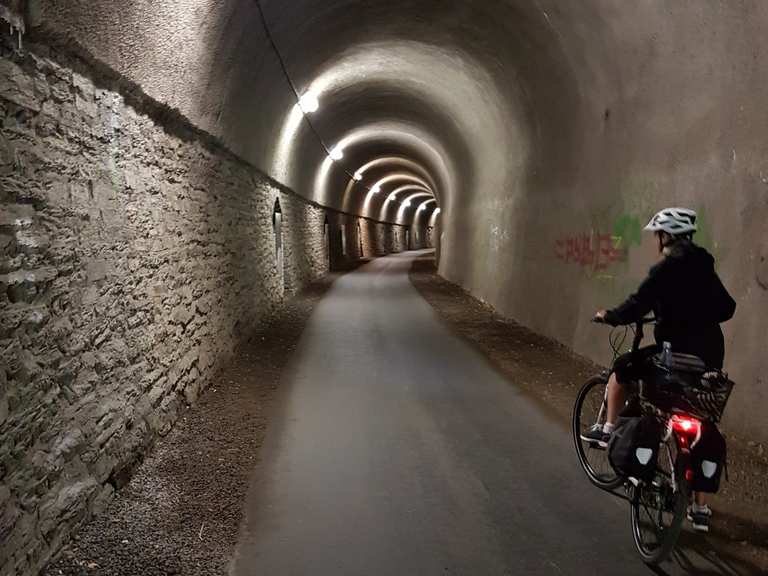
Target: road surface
(397, 450)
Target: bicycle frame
(639, 334)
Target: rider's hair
(675, 240)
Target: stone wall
(421, 237)
(379, 239)
(134, 261)
(364, 238)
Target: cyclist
(689, 302)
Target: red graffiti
(594, 250)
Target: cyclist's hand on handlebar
(599, 317)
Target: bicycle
(658, 507)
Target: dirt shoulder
(551, 376)
(181, 512)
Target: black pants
(631, 367)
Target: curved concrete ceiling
(361, 195)
(450, 89)
(511, 110)
(474, 93)
(535, 123)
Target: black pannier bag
(666, 382)
(634, 447)
(708, 459)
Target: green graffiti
(627, 232)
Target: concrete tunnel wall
(546, 132)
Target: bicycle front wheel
(658, 509)
(589, 411)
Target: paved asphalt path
(397, 450)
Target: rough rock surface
(182, 510)
(134, 257)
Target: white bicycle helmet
(674, 221)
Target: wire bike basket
(687, 387)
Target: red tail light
(686, 425)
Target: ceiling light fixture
(337, 153)
(309, 103)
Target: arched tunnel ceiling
(471, 90)
(535, 123)
(465, 91)
(442, 77)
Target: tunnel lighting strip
(335, 154)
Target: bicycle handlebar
(638, 338)
(641, 322)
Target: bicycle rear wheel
(658, 509)
(588, 411)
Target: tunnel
(174, 172)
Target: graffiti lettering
(595, 251)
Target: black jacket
(688, 300)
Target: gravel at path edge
(551, 376)
(181, 512)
